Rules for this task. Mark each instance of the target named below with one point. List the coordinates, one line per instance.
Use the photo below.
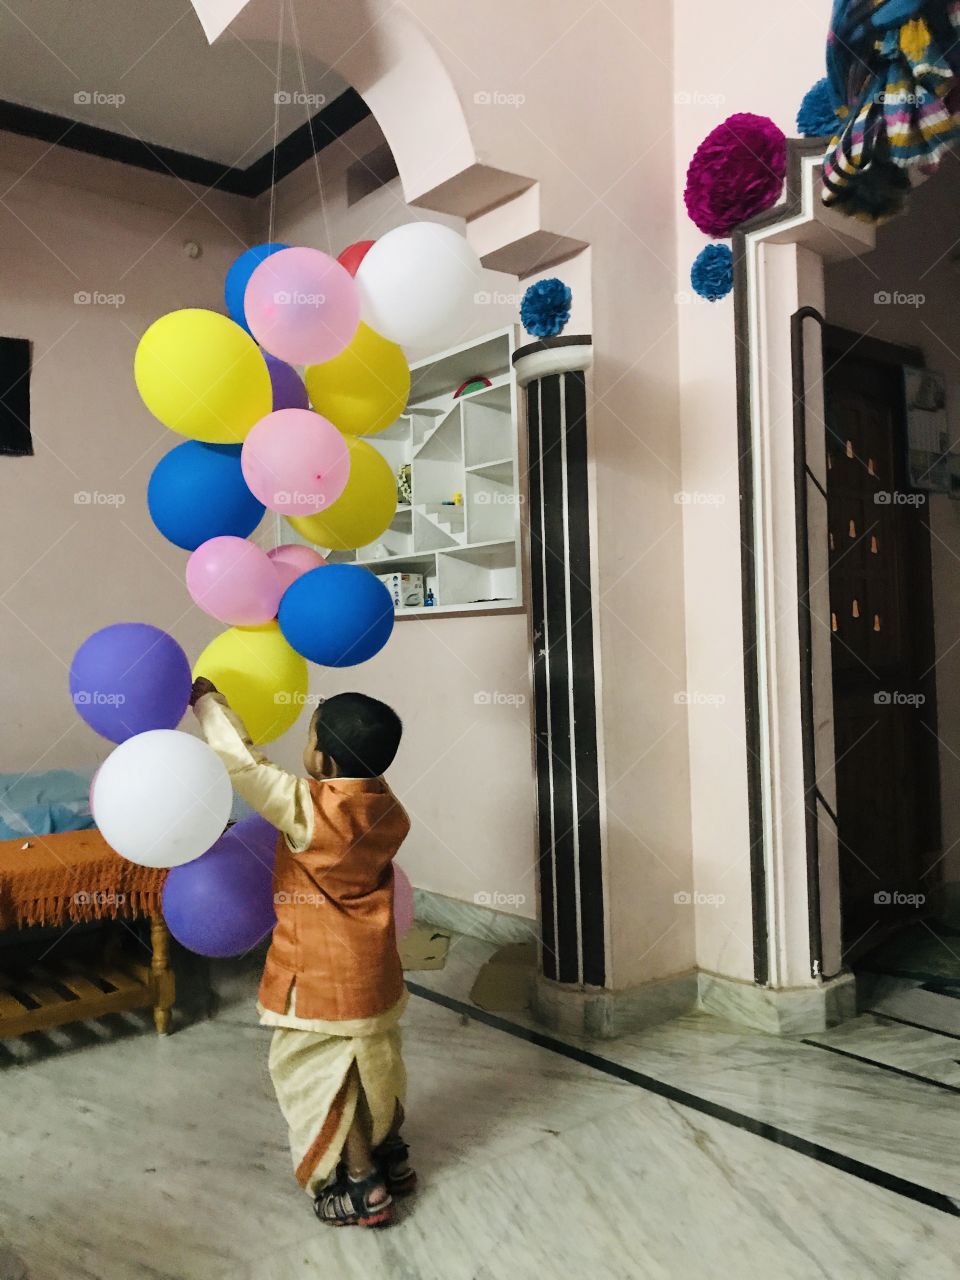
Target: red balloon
(354, 254)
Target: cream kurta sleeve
(280, 797)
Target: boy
(333, 984)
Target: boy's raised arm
(280, 797)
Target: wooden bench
(63, 879)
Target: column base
(796, 1011)
(599, 1014)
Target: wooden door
(884, 692)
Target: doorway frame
(794, 864)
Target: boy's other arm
(280, 797)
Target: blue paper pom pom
(817, 117)
(712, 272)
(545, 308)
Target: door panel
(887, 769)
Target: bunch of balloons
(261, 435)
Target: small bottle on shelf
(430, 599)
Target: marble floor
(695, 1150)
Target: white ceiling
(177, 90)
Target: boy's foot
(349, 1202)
(391, 1159)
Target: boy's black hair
(361, 734)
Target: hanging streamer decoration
(894, 65)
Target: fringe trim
(50, 889)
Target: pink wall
(71, 566)
(724, 62)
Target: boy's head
(352, 736)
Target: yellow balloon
(363, 510)
(202, 376)
(263, 679)
(363, 389)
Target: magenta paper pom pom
(736, 172)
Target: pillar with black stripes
(573, 942)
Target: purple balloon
(221, 904)
(129, 678)
(288, 389)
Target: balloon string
(306, 107)
(276, 121)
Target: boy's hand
(201, 686)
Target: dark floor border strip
(332, 121)
(938, 988)
(884, 1066)
(919, 1026)
(759, 1128)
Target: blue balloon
(239, 274)
(337, 615)
(197, 491)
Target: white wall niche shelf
(468, 551)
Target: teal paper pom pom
(817, 117)
(545, 308)
(712, 272)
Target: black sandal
(346, 1203)
(391, 1159)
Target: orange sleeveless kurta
(335, 935)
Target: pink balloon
(234, 581)
(295, 462)
(302, 306)
(402, 901)
(292, 561)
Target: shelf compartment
(492, 508)
(435, 377)
(424, 563)
(488, 432)
(428, 535)
(500, 471)
(478, 574)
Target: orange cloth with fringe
(72, 876)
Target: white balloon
(418, 285)
(162, 798)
